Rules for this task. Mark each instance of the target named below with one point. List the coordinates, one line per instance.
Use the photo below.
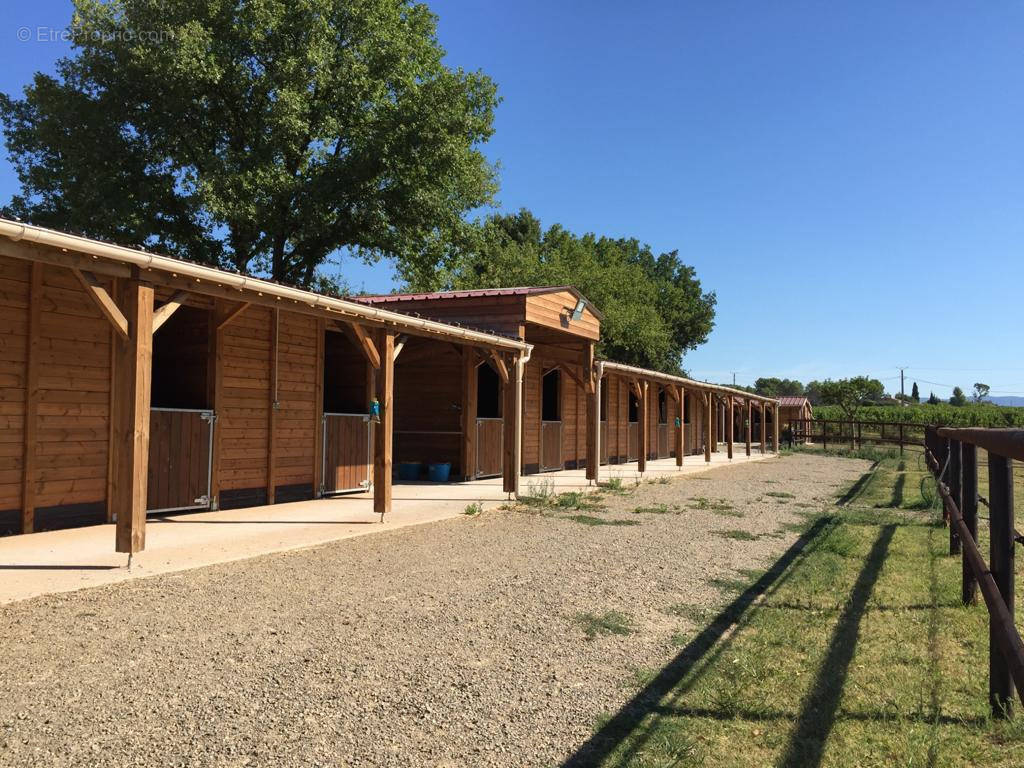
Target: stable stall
(135, 384)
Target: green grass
(594, 521)
(474, 509)
(780, 494)
(851, 650)
(656, 509)
(738, 535)
(608, 623)
(717, 506)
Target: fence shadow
(627, 720)
(818, 712)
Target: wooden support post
(318, 408)
(681, 429)
(215, 390)
(642, 428)
(775, 428)
(383, 435)
(708, 407)
(763, 426)
(750, 414)
(28, 454)
(1001, 564)
(593, 425)
(954, 483)
(469, 400)
(511, 425)
(969, 512)
(275, 328)
(132, 374)
(730, 424)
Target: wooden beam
(215, 392)
(568, 370)
(318, 408)
(229, 315)
(643, 429)
(750, 405)
(469, 401)
(708, 424)
(400, 345)
(59, 257)
(365, 343)
(103, 301)
(134, 360)
(275, 332)
(382, 438)
(730, 425)
(499, 365)
(763, 427)
(163, 313)
(28, 466)
(512, 423)
(680, 398)
(673, 392)
(592, 413)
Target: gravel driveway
(452, 644)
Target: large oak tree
(654, 307)
(261, 135)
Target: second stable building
(132, 383)
(641, 414)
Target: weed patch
(608, 623)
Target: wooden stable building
(132, 383)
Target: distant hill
(1010, 400)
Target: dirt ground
(460, 643)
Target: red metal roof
(385, 298)
(792, 401)
(394, 298)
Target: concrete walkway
(62, 561)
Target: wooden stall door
(550, 445)
(663, 446)
(489, 447)
(179, 459)
(347, 457)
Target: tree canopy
(775, 387)
(260, 136)
(653, 305)
(850, 394)
(958, 398)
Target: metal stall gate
(550, 445)
(180, 459)
(347, 445)
(490, 434)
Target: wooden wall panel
(74, 380)
(245, 400)
(295, 425)
(531, 416)
(15, 276)
(500, 314)
(552, 310)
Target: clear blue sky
(835, 172)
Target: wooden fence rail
(952, 455)
(856, 433)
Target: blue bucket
(438, 473)
(409, 470)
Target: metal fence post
(1001, 555)
(969, 512)
(954, 491)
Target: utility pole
(733, 377)
(903, 394)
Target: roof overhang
(26, 241)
